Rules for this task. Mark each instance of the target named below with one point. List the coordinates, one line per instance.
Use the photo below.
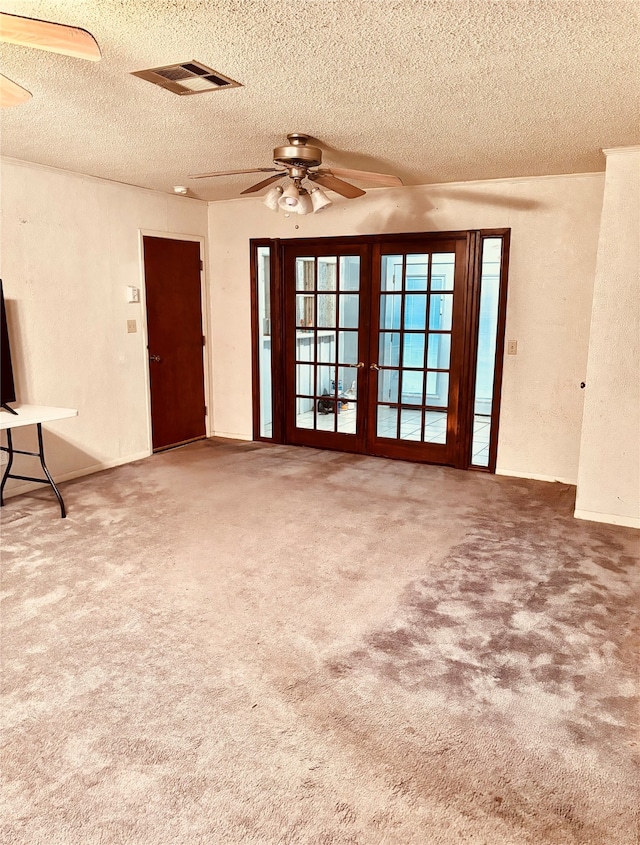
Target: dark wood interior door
(416, 349)
(175, 340)
(326, 318)
(374, 346)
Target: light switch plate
(131, 326)
(512, 347)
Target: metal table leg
(39, 454)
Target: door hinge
(206, 411)
(201, 264)
(204, 340)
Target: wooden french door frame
(460, 456)
(441, 453)
(326, 439)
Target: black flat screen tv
(7, 384)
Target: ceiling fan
(43, 35)
(299, 161)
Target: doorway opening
(382, 345)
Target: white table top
(32, 414)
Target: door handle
(357, 366)
(155, 358)
(374, 367)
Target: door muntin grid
(326, 342)
(414, 346)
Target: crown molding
(620, 150)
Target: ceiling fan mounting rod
(297, 173)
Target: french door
(388, 346)
(373, 347)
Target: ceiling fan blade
(260, 185)
(343, 188)
(12, 94)
(234, 172)
(365, 175)
(43, 35)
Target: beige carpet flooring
(245, 643)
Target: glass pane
(485, 366)
(304, 413)
(416, 272)
(263, 256)
(412, 386)
(349, 307)
(305, 311)
(387, 422)
(442, 270)
(489, 290)
(326, 376)
(388, 385)
(437, 389)
(415, 311)
(349, 272)
(305, 345)
(410, 425)
(326, 346)
(435, 427)
(327, 273)
(336, 388)
(347, 418)
(348, 378)
(439, 353)
(326, 310)
(326, 418)
(389, 349)
(391, 273)
(304, 379)
(347, 347)
(413, 350)
(480, 445)
(390, 310)
(305, 270)
(440, 311)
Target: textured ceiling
(431, 90)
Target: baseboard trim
(537, 476)
(229, 436)
(20, 489)
(609, 518)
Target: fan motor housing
(298, 153)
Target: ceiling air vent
(187, 78)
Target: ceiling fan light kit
(298, 161)
(304, 202)
(290, 197)
(272, 196)
(319, 199)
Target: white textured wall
(554, 222)
(609, 473)
(70, 247)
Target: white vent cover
(187, 78)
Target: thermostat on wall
(133, 294)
